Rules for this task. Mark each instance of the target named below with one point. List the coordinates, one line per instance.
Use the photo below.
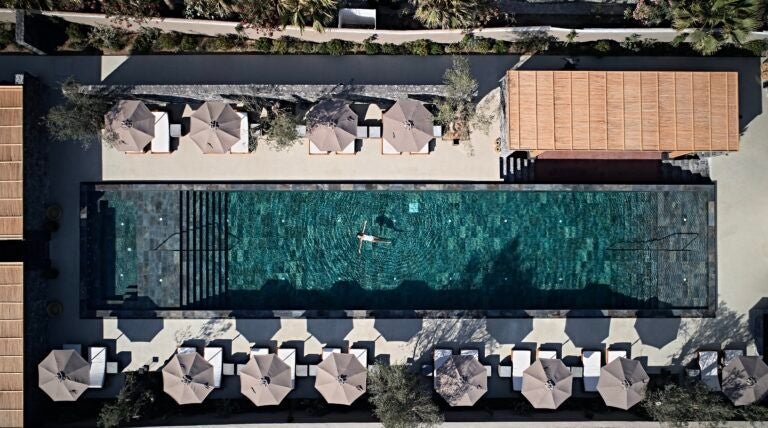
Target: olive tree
(80, 117)
(457, 109)
(134, 401)
(280, 127)
(399, 399)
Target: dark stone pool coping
(708, 311)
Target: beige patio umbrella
(341, 378)
(64, 375)
(332, 125)
(408, 125)
(131, 124)
(188, 378)
(215, 127)
(547, 383)
(461, 380)
(745, 380)
(266, 380)
(622, 383)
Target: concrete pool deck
(742, 261)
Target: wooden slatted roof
(675, 112)
(11, 345)
(11, 170)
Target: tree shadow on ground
(727, 328)
(450, 333)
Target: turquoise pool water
(467, 249)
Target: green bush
(281, 46)
(220, 43)
(417, 47)
(436, 49)
(107, 38)
(390, 49)
(632, 43)
(189, 43)
(603, 46)
(533, 41)
(757, 47)
(168, 41)
(500, 47)
(335, 47)
(263, 44)
(7, 35)
(145, 40)
(371, 48)
(77, 35)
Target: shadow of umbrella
(398, 330)
(509, 331)
(330, 331)
(258, 331)
(657, 332)
(140, 330)
(587, 332)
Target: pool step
(204, 247)
(520, 168)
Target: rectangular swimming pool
(483, 250)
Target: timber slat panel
(614, 86)
(580, 103)
(11, 345)
(545, 107)
(513, 110)
(528, 117)
(563, 114)
(598, 126)
(11, 169)
(623, 111)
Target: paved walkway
(741, 221)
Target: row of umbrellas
(214, 127)
(407, 125)
(341, 379)
(547, 383)
(188, 378)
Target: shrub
(400, 400)
(455, 13)
(391, 49)
(168, 41)
(77, 35)
(603, 46)
(281, 46)
(109, 38)
(500, 47)
(650, 12)
(263, 44)
(417, 47)
(370, 47)
(632, 43)
(471, 43)
(336, 47)
(221, 42)
(206, 9)
(281, 129)
(145, 40)
(189, 43)
(757, 47)
(134, 402)
(571, 37)
(79, 118)
(530, 42)
(7, 35)
(436, 49)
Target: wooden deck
(672, 112)
(11, 344)
(11, 166)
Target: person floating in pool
(363, 237)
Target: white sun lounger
(288, 355)
(439, 358)
(259, 351)
(361, 354)
(708, 366)
(591, 360)
(241, 147)
(546, 354)
(161, 143)
(730, 354)
(475, 353)
(521, 360)
(97, 356)
(616, 353)
(314, 150)
(185, 350)
(215, 356)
